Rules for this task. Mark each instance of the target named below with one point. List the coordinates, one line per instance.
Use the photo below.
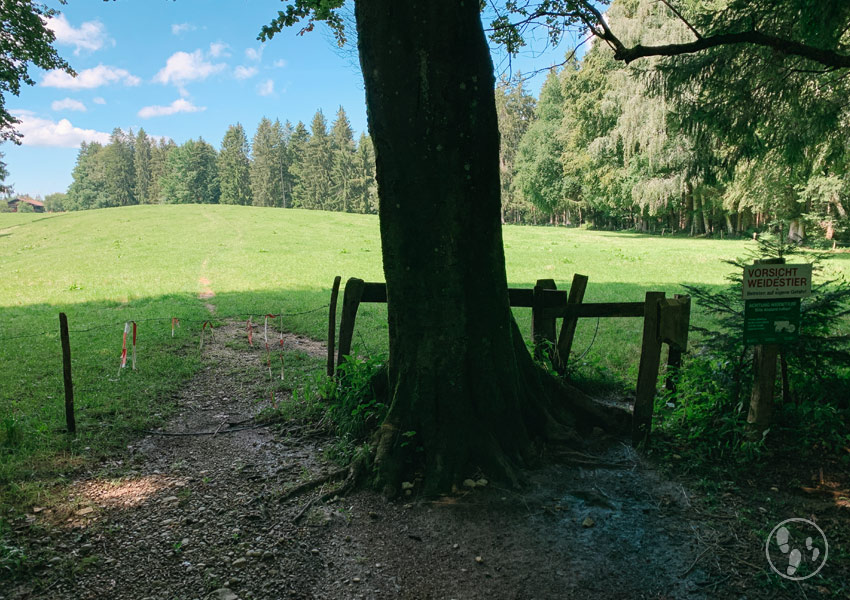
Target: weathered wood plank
(568, 327)
(650, 359)
(600, 309)
(374, 292)
(524, 298)
(676, 336)
(350, 303)
(332, 325)
(542, 324)
(70, 419)
(675, 315)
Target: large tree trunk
(464, 393)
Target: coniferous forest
(645, 147)
(281, 166)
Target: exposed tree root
(588, 460)
(231, 429)
(314, 483)
(352, 473)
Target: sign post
(774, 321)
(772, 291)
(768, 281)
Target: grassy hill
(151, 263)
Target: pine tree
(88, 185)
(344, 165)
(315, 171)
(191, 174)
(365, 189)
(266, 172)
(142, 167)
(280, 156)
(234, 169)
(295, 148)
(286, 155)
(159, 161)
(119, 162)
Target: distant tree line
(659, 145)
(283, 166)
(650, 146)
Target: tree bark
(464, 392)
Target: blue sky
(182, 70)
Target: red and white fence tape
(203, 329)
(127, 330)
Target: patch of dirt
(206, 291)
(202, 517)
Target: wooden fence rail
(665, 321)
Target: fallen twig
(696, 560)
(220, 425)
(304, 510)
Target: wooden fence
(665, 321)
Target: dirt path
(189, 517)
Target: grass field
(150, 263)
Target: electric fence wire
(593, 339)
(150, 319)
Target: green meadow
(149, 264)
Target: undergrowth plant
(353, 406)
(708, 414)
(13, 560)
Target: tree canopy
(439, 224)
(25, 40)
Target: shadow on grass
(668, 236)
(113, 404)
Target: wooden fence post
(350, 303)
(676, 336)
(650, 359)
(542, 325)
(764, 379)
(332, 325)
(760, 414)
(70, 420)
(568, 326)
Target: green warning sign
(771, 321)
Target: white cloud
(98, 100)
(178, 106)
(68, 104)
(254, 54)
(90, 36)
(242, 72)
(280, 63)
(182, 67)
(219, 49)
(47, 133)
(266, 88)
(89, 78)
(178, 28)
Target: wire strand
(150, 319)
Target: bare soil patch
(201, 516)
